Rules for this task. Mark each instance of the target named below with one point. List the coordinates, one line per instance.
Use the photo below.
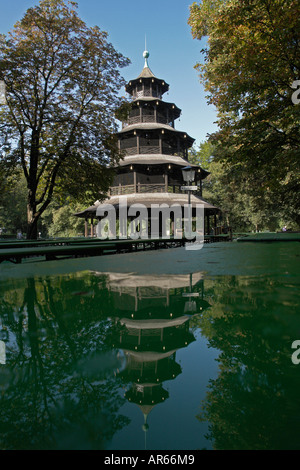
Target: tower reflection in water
(153, 315)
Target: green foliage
(246, 205)
(13, 205)
(249, 68)
(255, 388)
(46, 405)
(203, 156)
(56, 221)
(60, 221)
(62, 82)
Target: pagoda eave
(147, 324)
(149, 126)
(145, 75)
(152, 99)
(158, 159)
(147, 200)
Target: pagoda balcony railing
(145, 188)
(148, 150)
(152, 150)
(149, 118)
(146, 93)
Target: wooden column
(178, 146)
(85, 228)
(166, 182)
(207, 225)
(160, 143)
(92, 227)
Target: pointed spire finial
(146, 53)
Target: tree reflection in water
(253, 403)
(58, 386)
(79, 346)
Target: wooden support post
(166, 182)
(85, 228)
(208, 227)
(92, 227)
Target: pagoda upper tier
(147, 85)
(149, 126)
(147, 105)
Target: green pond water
(164, 350)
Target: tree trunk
(31, 222)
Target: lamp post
(188, 174)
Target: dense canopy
(250, 70)
(62, 82)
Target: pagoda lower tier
(149, 200)
(157, 173)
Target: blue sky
(173, 51)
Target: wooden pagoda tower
(154, 154)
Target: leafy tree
(62, 80)
(13, 205)
(203, 156)
(250, 68)
(57, 220)
(60, 221)
(244, 207)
